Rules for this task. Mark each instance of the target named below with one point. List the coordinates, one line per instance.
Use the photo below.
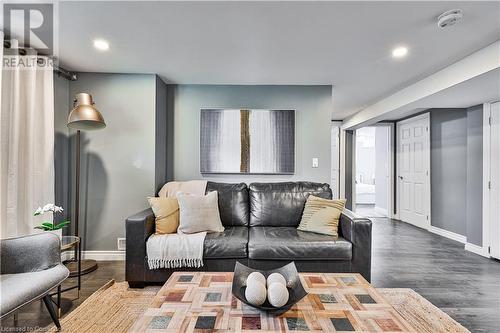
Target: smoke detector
(449, 18)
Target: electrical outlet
(315, 162)
(120, 243)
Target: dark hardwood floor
(35, 316)
(464, 285)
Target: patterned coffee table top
(202, 302)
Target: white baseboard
(66, 255)
(477, 250)
(381, 211)
(104, 255)
(448, 234)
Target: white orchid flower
(38, 211)
(48, 208)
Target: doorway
(372, 185)
(413, 171)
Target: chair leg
(50, 307)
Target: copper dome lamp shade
(83, 117)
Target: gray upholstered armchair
(30, 267)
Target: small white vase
(57, 232)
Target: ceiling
(481, 89)
(344, 44)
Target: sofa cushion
(281, 204)
(288, 243)
(322, 215)
(19, 289)
(233, 203)
(199, 213)
(232, 243)
(166, 212)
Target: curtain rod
(61, 72)
(65, 73)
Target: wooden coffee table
(203, 302)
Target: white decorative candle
(276, 277)
(255, 293)
(277, 294)
(256, 276)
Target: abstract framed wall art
(247, 141)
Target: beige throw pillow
(199, 213)
(322, 215)
(166, 212)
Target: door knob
(400, 177)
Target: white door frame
(486, 178)
(485, 249)
(428, 183)
(391, 169)
(335, 158)
(353, 172)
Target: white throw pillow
(199, 213)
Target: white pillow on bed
(199, 213)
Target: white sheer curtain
(26, 143)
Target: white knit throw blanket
(175, 250)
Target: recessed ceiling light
(399, 52)
(101, 44)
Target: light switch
(315, 162)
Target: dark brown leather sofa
(260, 223)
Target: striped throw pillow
(322, 215)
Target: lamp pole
(77, 183)
(84, 116)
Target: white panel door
(495, 181)
(413, 158)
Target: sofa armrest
(30, 253)
(138, 228)
(358, 230)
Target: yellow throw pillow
(166, 212)
(322, 215)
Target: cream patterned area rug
(115, 308)
(420, 312)
(112, 308)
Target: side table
(69, 243)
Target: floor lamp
(83, 117)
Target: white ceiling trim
(476, 64)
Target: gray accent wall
(118, 162)
(62, 150)
(449, 169)
(312, 105)
(349, 177)
(457, 171)
(382, 149)
(131, 158)
(164, 129)
(474, 225)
